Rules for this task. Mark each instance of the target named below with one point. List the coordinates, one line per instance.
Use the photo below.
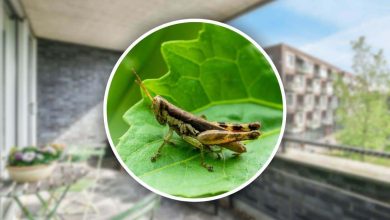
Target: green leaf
(223, 76)
(123, 92)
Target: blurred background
(334, 162)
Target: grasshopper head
(158, 109)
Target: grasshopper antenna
(139, 82)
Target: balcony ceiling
(115, 24)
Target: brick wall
(71, 81)
(288, 190)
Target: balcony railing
(305, 68)
(314, 123)
(327, 120)
(346, 148)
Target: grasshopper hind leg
(204, 164)
(167, 138)
(194, 142)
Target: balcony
(328, 118)
(316, 119)
(347, 79)
(295, 83)
(305, 67)
(300, 103)
(291, 100)
(290, 61)
(334, 76)
(323, 73)
(316, 70)
(323, 103)
(329, 88)
(334, 102)
(316, 88)
(296, 123)
(330, 74)
(313, 120)
(308, 104)
(324, 88)
(309, 85)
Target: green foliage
(223, 76)
(364, 112)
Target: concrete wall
(290, 190)
(71, 81)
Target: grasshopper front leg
(194, 142)
(167, 138)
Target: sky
(323, 28)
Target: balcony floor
(116, 192)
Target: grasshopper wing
(217, 137)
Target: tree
(363, 113)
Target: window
(309, 67)
(290, 99)
(316, 69)
(290, 60)
(299, 117)
(300, 100)
(309, 82)
(289, 78)
(317, 115)
(300, 80)
(317, 100)
(309, 116)
(323, 72)
(310, 99)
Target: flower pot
(30, 173)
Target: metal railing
(340, 147)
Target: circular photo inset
(194, 110)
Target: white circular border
(195, 20)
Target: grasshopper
(197, 131)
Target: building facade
(310, 94)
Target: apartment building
(310, 96)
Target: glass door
(17, 83)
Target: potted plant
(30, 164)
